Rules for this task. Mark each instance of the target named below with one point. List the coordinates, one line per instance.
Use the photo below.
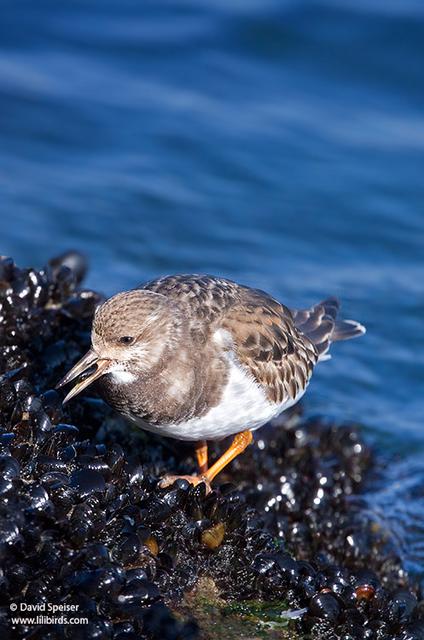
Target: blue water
(277, 142)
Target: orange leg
(239, 444)
(202, 456)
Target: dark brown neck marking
(187, 381)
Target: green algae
(247, 620)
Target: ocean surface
(276, 142)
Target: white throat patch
(120, 376)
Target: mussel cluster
(83, 521)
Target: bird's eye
(126, 340)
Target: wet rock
(82, 518)
(72, 260)
(325, 605)
(87, 481)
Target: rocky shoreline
(83, 522)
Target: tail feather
(347, 329)
(320, 325)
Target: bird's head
(130, 334)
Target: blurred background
(276, 142)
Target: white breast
(243, 406)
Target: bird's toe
(169, 480)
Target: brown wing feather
(265, 337)
(206, 299)
(207, 296)
(268, 343)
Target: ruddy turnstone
(200, 358)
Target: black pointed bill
(82, 367)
